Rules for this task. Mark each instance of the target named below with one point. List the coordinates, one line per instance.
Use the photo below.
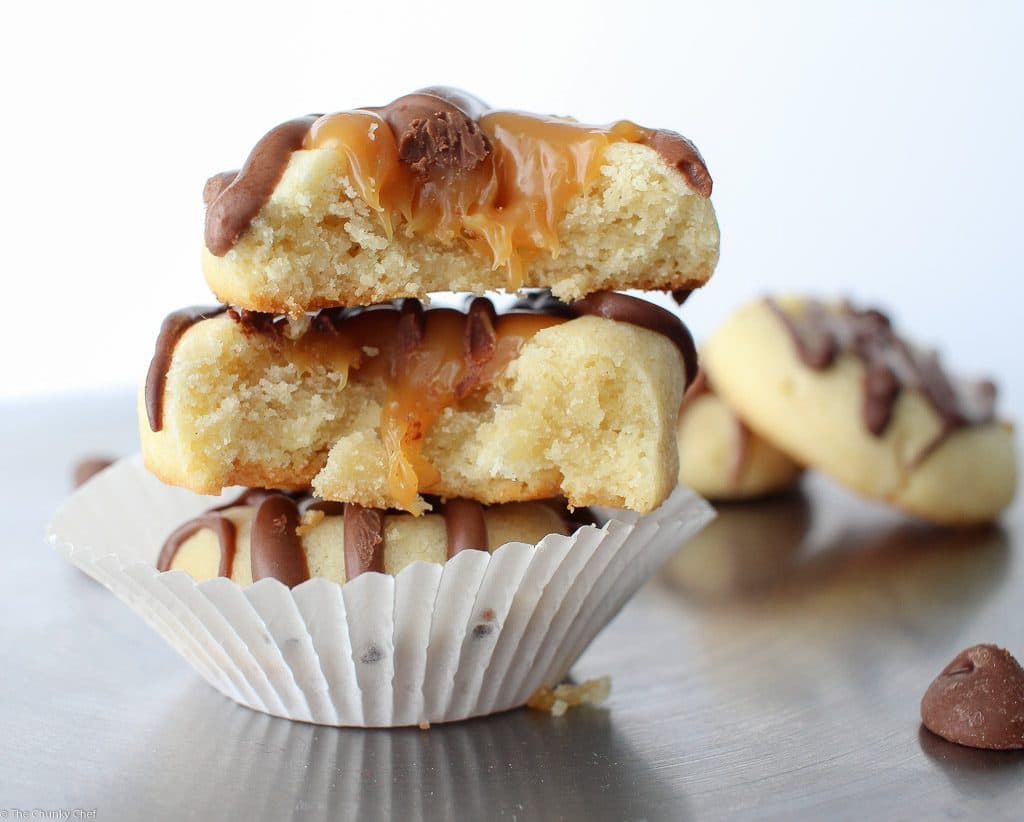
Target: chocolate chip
(86, 468)
(978, 700)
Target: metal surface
(773, 670)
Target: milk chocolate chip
(88, 467)
(978, 700)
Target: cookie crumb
(310, 519)
(559, 699)
(424, 726)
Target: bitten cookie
(836, 388)
(380, 405)
(435, 192)
(720, 457)
(294, 537)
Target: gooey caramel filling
(427, 361)
(506, 207)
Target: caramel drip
(499, 181)
(276, 547)
(820, 334)
(364, 540)
(173, 328)
(237, 202)
(223, 527)
(465, 525)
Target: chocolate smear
(978, 700)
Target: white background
(869, 149)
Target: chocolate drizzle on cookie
(233, 201)
(214, 521)
(172, 329)
(465, 524)
(448, 153)
(364, 540)
(276, 545)
(821, 333)
(625, 309)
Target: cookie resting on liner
(294, 537)
(378, 406)
(435, 192)
(836, 388)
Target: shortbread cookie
(434, 192)
(292, 537)
(380, 405)
(836, 388)
(720, 457)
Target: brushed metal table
(773, 670)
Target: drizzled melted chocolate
(214, 521)
(276, 547)
(172, 329)
(464, 520)
(232, 200)
(364, 540)
(821, 333)
(625, 309)
(441, 133)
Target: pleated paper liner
(435, 643)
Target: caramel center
(427, 361)
(507, 206)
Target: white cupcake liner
(435, 643)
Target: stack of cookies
(373, 428)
